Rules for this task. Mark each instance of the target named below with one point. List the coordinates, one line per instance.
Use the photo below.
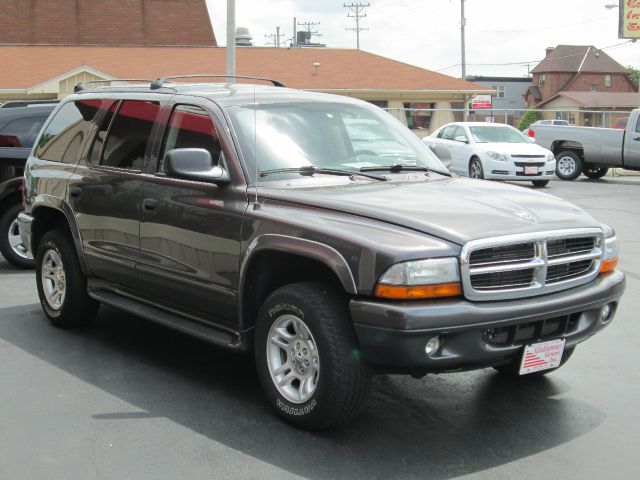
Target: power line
(357, 9)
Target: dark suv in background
(313, 230)
(20, 123)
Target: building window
(499, 90)
(594, 88)
(607, 80)
(541, 80)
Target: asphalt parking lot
(127, 399)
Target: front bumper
(393, 335)
(24, 225)
(496, 170)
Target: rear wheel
(540, 183)
(595, 173)
(512, 368)
(307, 356)
(11, 246)
(569, 165)
(475, 169)
(62, 287)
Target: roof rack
(159, 82)
(82, 85)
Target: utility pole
(357, 9)
(275, 38)
(308, 26)
(231, 37)
(463, 21)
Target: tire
(475, 169)
(311, 326)
(540, 183)
(512, 368)
(62, 287)
(11, 245)
(594, 173)
(569, 165)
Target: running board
(193, 328)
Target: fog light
(606, 313)
(432, 346)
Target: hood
(456, 209)
(513, 148)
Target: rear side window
(21, 132)
(128, 136)
(190, 127)
(65, 134)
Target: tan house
(580, 83)
(132, 40)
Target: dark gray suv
(313, 230)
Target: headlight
(433, 278)
(550, 157)
(500, 157)
(610, 249)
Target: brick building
(584, 79)
(61, 43)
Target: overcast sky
(426, 33)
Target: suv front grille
(526, 265)
(532, 331)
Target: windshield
(325, 135)
(493, 134)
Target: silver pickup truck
(591, 151)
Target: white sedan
(493, 151)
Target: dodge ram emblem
(525, 215)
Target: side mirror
(461, 138)
(194, 164)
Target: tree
(634, 75)
(528, 118)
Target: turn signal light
(415, 292)
(609, 265)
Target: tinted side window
(21, 132)
(129, 134)
(101, 134)
(190, 127)
(67, 131)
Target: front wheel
(62, 287)
(11, 246)
(594, 173)
(569, 165)
(475, 169)
(540, 183)
(307, 356)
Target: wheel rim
(293, 359)
(566, 166)
(54, 282)
(15, 241)
(476, 169)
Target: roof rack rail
(159, 82)
(82, 85)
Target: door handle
(636, 138)
(149, 205)
(75, 192)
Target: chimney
(548, 50)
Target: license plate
(530, 170)
(542, 356)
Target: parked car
(591, 151)
(20, 123)
(494, 152)
(563, 123)
(254, 218)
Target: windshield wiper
(397, 168)
(310, 170)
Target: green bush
(527, 119)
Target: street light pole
(231, 37)
(462, 42)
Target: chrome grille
(530, 264)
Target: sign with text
(629, 26)
(481, 101)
